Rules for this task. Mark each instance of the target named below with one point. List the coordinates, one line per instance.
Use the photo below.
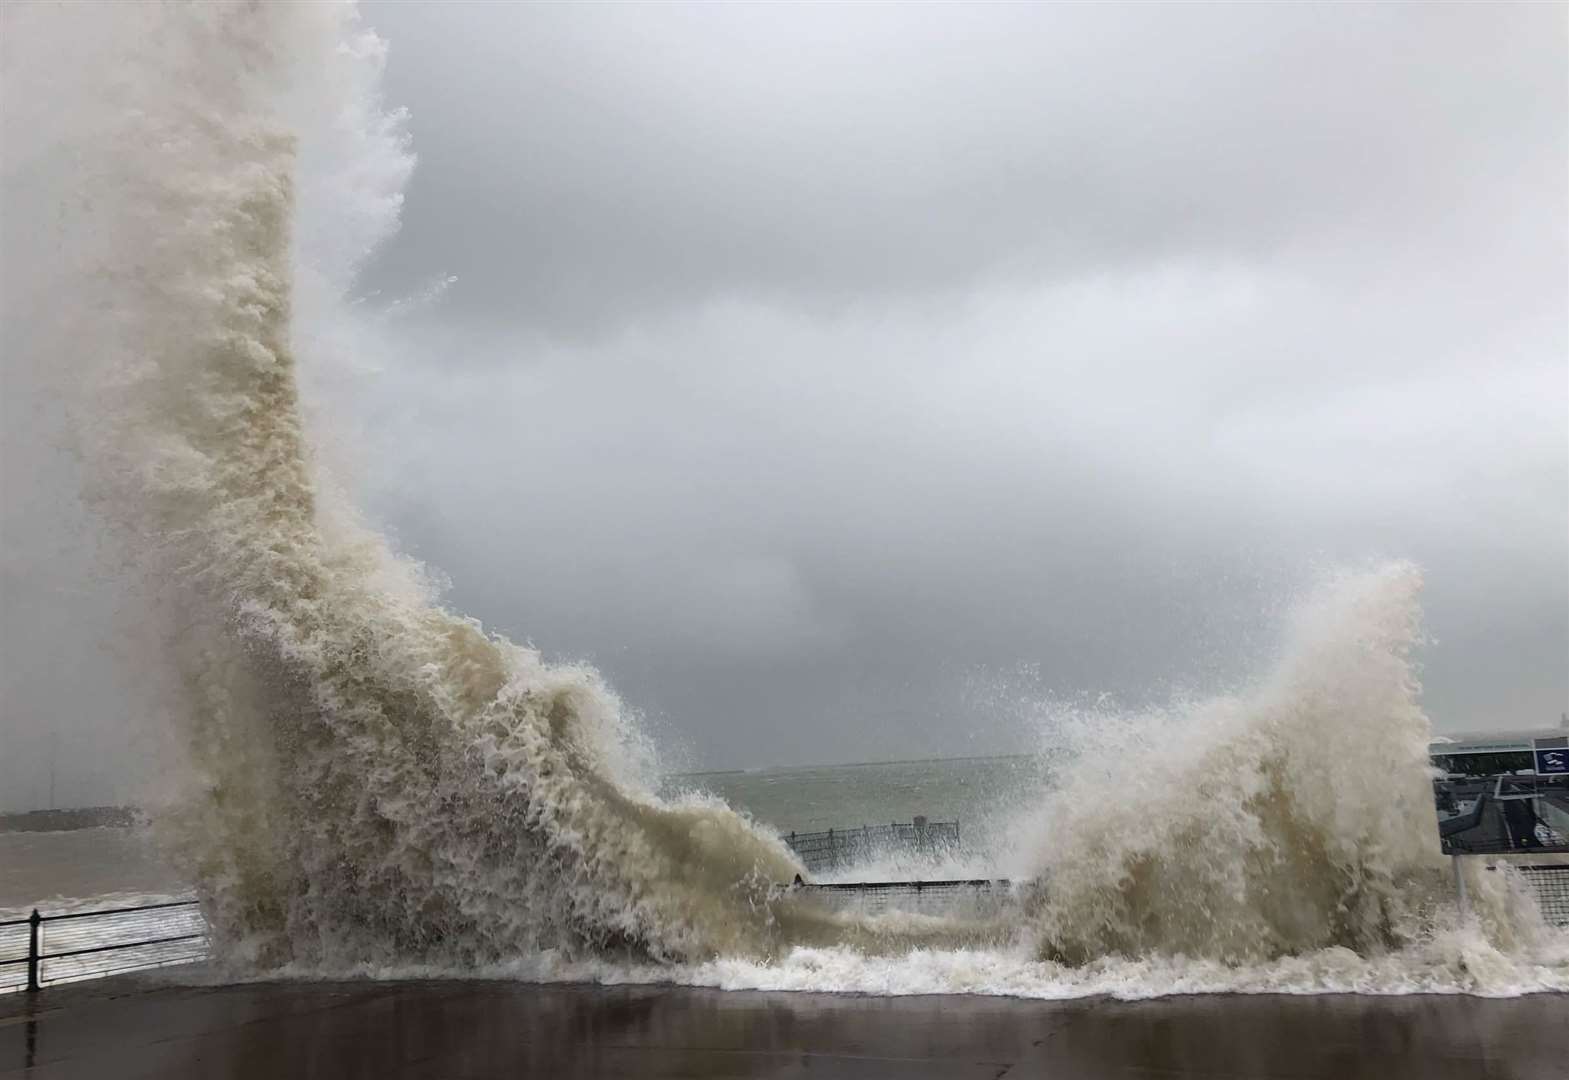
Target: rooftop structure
(1500, 742)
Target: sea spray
(373, 776)
(375, 783)
(1279, 820)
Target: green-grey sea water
(983, 794)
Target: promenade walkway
(149, 1026)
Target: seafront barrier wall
(836, 848)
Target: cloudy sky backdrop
(838, 379)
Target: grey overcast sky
(836, 378)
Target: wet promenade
(142, 1026)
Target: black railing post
(33, 922)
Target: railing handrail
(119, 911)
(36, 954)
(832, 847)
(98, 911)
(877, 886)
(105, 948)
(868, 826)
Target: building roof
(1490, 742)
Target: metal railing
(90, 944)
(1550, 884)
(965, 896)
(839, 847)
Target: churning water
(375, 783)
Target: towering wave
(1292, 817)
(376, 777)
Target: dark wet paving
(140, 1027)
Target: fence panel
(1551, 886)
(89, 944)
(975, 898)
(835, 848)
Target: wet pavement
(142, 1026)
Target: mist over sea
(78, 867)
(81, 868)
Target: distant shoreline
(82, 817)
(846, 765)
(122, 817)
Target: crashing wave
(375, 780)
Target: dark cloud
(809, 367)
(591, 167)
(804, 362)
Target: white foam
(1456, 961)
(1285, 818)
(369, 775)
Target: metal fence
(44, 949)
(834, 848)
(1551, 886)
(974, 897)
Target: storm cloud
(837, 379)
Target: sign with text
(1552, 756)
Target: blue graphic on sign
(1554, 762)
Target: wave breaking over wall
(375, 777)
(374, 781)
(1286, 818)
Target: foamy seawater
(48, 869)
(1456, 958)
(1456, 961)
